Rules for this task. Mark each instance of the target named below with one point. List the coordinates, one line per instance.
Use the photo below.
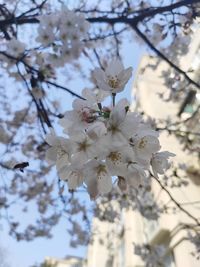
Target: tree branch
(151, 12)
(161, 55)
(65, 89)
(175, 202)
(159, 10)
(21, 60)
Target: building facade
(69, 261)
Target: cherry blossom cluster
(13, 49)
(63, 32)
(105, 143)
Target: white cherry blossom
(120, 125)
(118, 158)
(62, 31)
(73, 176)
(114, 78)
(135, 175)
(106, 141)
(45, 36)
(145, 146)
(160, 163)
(97, 178)
(48, 21)
(84, 149)
(60, 150)
(96, 130)
(15, 48)
(79, 118)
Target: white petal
(99, 75)
(117, 116)
(75, 180)
(78, 104)
(114, 67)
(78, 159)
(117, 139)
(125, 75)
(92, 188)
(104, 86)
(96, 130)
(116, 168)
(104, 184)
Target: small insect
(21, 166)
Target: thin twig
(175, 202)
(64, 88)
(161, 55)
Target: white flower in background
(64, 32)
(68, 19)
(15, 48)
(97, 178)
(160, 163)
(69, 52)
(82, 25)
(64, 35)
(60, 151)
(114, 78)
(157, 34)
(45, 36)
(4, 136)
(48, 21)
